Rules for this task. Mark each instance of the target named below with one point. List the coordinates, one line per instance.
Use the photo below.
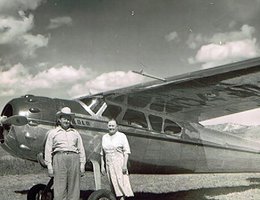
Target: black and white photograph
(129, 99)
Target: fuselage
(159, 143)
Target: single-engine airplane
(160, 118)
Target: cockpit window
(87, 101)
(93, 103)
(156, 123)
(96, 105)
(135, 118)
(171, 127)
(112, 111)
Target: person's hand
(124, 170)
(50, 170)
(82, 169)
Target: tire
(35, 193)
(102, 195)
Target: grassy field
(18, 176)
(154, 187)
(10, 165)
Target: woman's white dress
(114, 147)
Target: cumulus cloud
(223, 48)
(18, 80)
(59, 21)
(16, 39)
(11, 5)
(12, 28)
(172, 36)
(32, 43)
(15, 33)
(105, 82)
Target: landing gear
(41, 192)
(99, 194)
(102, 195)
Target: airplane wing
(199, 95)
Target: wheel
(36, 193)
(102, 195)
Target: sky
(71, 48)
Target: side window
(112, 111)
(96, 105)
(93, 103)
(156, 123)
(171, 127)
(135, 118)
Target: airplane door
(138, 145)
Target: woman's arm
(124, 168)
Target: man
(65, 157)
(115, 152)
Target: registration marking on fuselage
(82, 122)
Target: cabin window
(112, 111)
(158, 104)
(96, 105)
(171, 127)
(138, 101)
(87, 101)
(157, 107)
(135, 118)
(156, 123)
(93, 103)
(119, 99)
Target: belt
(64, 152)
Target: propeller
(13, 120)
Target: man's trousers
(66, 169)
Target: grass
(15, 166)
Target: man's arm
(82, 155)
(48, 153)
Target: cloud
(105, 82)
(195, 41)
(13, 80)
(172, 36)
(54, 77)
(12, 28)
(74, 81)
(32, 43)
(15, 34)
(223, 48)
(10, 5)
(59, 21)
(18, 80)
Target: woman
(114, 154)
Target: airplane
(161, 120)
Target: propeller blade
(15, 120)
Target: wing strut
(148, 75)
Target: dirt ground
(178, 187)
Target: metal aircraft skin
(160, 119)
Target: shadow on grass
(200, 194)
